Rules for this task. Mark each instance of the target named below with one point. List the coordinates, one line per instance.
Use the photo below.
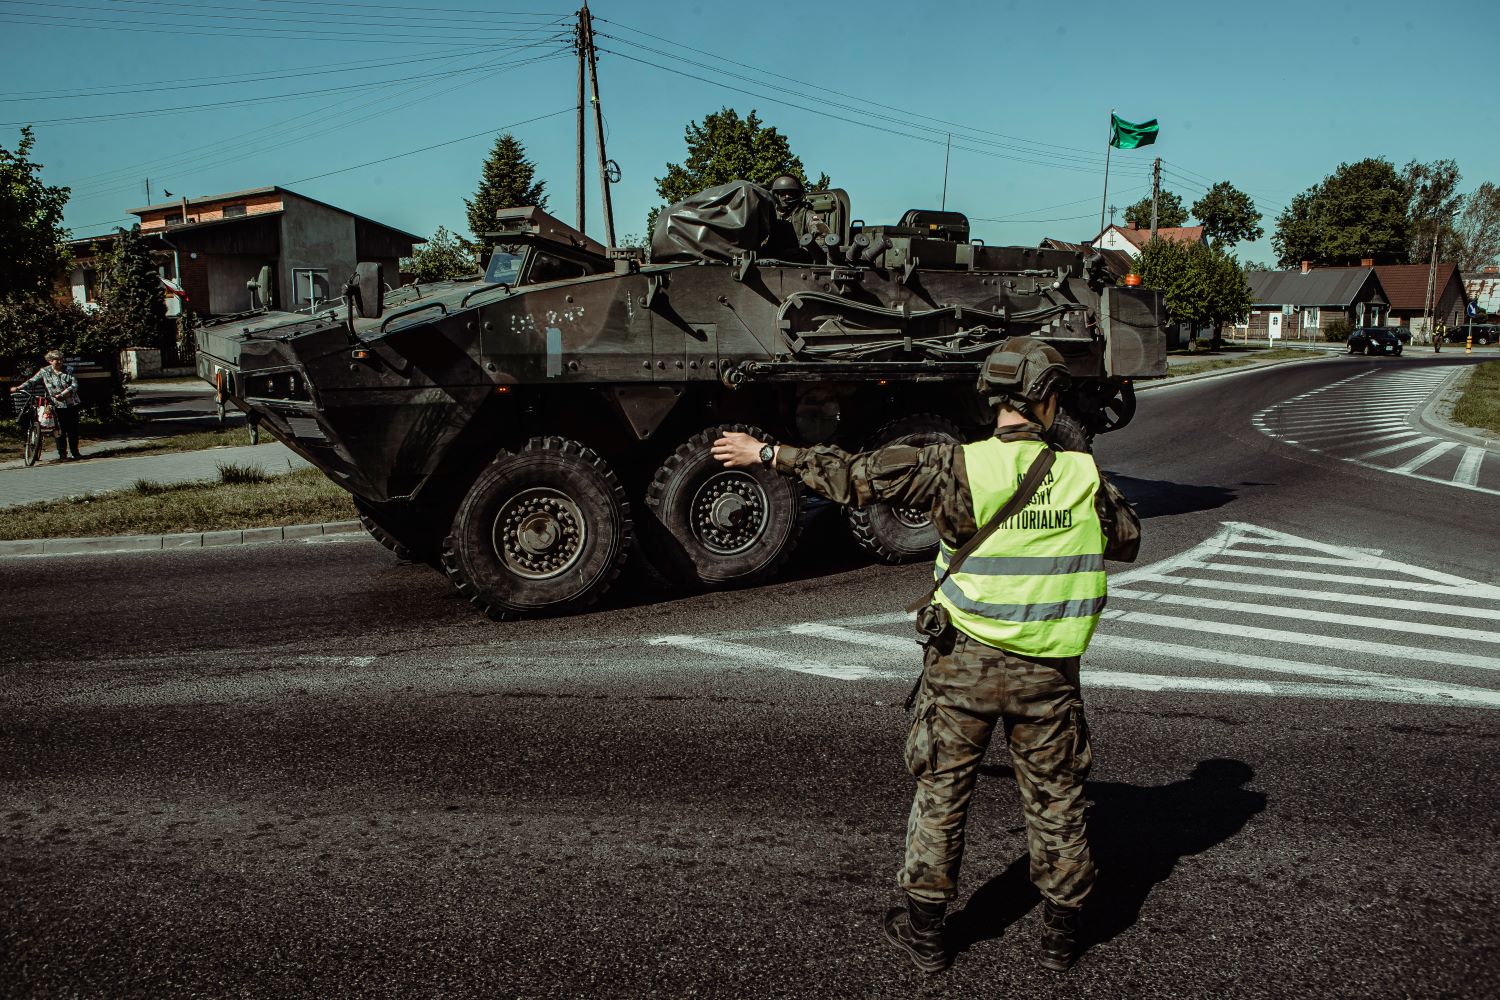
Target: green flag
(1127, 135)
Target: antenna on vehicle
(260, 289)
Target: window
(173, 219)
(546, 267)
(310, 286)
(1309, 317)
(233, 211)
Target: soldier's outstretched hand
(737, 450)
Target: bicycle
(32, 416)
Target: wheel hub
(912, 517)
(729, 512)
(539, 533)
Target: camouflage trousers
(968, 688)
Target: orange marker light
(501, 390)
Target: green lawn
(1216, 363)
(1479, 406)
(302, 497)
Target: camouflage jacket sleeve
(932, 478)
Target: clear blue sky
(1271, 96)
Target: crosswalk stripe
(1309, 560)
(1284, 689)
(1468, 466)
(755, 654)
(1271, 664)
(1303, 639)
(1392, 449)
(1312, 615)
(1365, 600)
(1430, 455)
(1359, 581)
(855, 637)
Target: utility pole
(946, 153)
(1112, 211)
(148, 190)
(1155, 192)
(1427, 303)
(582, 200)
(586, 23)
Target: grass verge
(1217, 363)
(1479, 406)
(305, 496)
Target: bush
(231, 473)
(1337, 332)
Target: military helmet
(1021, 373)
(788, 184)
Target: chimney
(1367, 262)
(1306, 266)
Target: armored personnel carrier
(531, 429)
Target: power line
(47, 21)
(405, 17)
(265, 16)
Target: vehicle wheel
(1068, 433)
(893, 534)
(33, 444)
(1397, 352)
(410, 538)
(1482, 341)
(717, 527)
(542, 531)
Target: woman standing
(62, 389)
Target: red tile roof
(1406, 284)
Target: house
(1483, 289)
(1130, 239)
(219, 244)
(1302, 303)
(1117, 263)
(1406, 286)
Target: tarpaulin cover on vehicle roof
(714, 224)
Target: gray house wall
(315, 236)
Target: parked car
(1375, 340)
(1484, 333)
(1403, 333)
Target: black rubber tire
(556, 473)
(677, 548)
(33, 446)
(877, 528)
(408, 537)
(1068, 434)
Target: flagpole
(1107, 148)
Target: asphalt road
(307, 769)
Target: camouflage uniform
(968, 687)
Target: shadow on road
(1160, 498)
(1137, 835)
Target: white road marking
(854, 637)
(1357, 581)
(1487, 613)
(1312, 615)
(770, 657)
(1415, 653)
(1468, 466)
(1393, 448)
(1430, 455)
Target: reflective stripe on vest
(1036, 586)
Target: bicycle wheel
(33, 441)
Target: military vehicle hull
(531, 436)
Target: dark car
(1374, 340)
(1484, 333)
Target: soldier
(794, 219)
(1006, 633)
(1439, 335)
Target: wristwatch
(767, 454)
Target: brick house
(1130, 239)
(1300, 304)
(219, 243)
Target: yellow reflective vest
(1036, 585)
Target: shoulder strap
(1040, 466)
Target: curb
(1236, 370)
(185, 540)
(1431, 417)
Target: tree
(1432, 202)
(507, 180)
(440, 258)
(725, 147)
(1170, 212)
(1358, 211)
(1229, 215)
(31, 231)
(134, 309)
(1200, 285)
(1476, 232)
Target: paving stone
(292, 531)
(262, 535)
(110, 543)
(234, 537)
(183, 540)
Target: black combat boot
(1059, 935)
(918, 931)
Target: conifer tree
(508, 180)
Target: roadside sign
(1472, 309)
